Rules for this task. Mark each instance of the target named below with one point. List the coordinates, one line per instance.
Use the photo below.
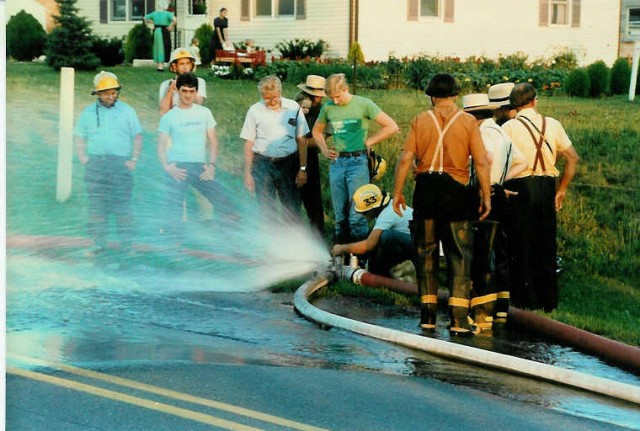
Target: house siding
(490, 28)
(327, 20)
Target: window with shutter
(430, 9)
(274, 9)
(560, 13)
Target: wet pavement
(138, 318)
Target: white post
(65, 134)
(634, 72)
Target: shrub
(70, 43)
(25, 37)
(577, 83)
(620, 76)
(297, 49)
(203, 34)
(419, 71)
(355, 53)
(109, 51)
(139, 44)
(599, 76)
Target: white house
(593, 29)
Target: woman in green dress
(163, 22)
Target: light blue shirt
(388, 219)
(108, 131)
(274, 132)
(187, 129)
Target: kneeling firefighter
(441, 141)
(389, 241)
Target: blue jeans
(346, 174)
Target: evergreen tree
(70, 43)
(25, 37)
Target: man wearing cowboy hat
(490, 265)
(442, 139)
(311, 192)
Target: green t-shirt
(349, 123)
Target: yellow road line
(141, 402)
(174, 394)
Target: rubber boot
(483, 295)
(460, 249)
(426, 262)
(501, 309)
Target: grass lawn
(599, 228)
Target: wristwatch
(303, 168)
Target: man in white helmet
(182, 61)
(108, 139)
(389, 242)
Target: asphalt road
(100, 348)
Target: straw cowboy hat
(477, 102)
(314, 86)
(499, 93)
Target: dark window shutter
(544, 13)
(244, 10)
(104, 12)
(575, 13)
(151, 6)
(449, 10)
(301, 9)
(412, 10)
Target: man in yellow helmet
(389, 242)
(182, 61)
(108, 138)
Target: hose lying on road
(585, 341)
(460, 352)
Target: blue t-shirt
(187, 129)
(388, 219)
(108, 131)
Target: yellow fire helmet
(377, 166)
(179, 53)
(105, 81)
(369, 197)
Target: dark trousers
(393, 248)
(176, 190)
(532, 240)
(109, 185)
(277, 177)
(311, 193)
